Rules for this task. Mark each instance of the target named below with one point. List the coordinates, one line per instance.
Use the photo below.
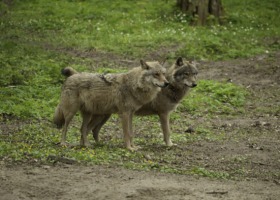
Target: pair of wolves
(96, 95)
(145, 90)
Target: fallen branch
(217, 192)
(61, 159)
(260, 163)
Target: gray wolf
(97, 96)
(182, 76)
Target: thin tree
(202, 9)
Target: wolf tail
(58, 119)
(68, 71)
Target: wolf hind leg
(84, 129)
(96, 124)
(68, 117)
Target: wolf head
(154, 73)
(185, 73)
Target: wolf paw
(63, 144)
(170, 144)
(133, 148)
(86, 144)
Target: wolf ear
(179, 61)
(144, 65)
(164, 63)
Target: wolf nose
(165, 84)
(194, 85)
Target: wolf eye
(156, 74)
(194, 73)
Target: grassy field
(39, 37)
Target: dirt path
(257, 153)
(100, 182)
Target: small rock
(46, 167)
(229, 80)
(259, 148)
(226, 125)
(266, 124)
(190, 130)
(148, 157)
(276, 182)
(257, 123)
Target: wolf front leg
(126, 123)
(63, 135)
(164, 122)
(131, 133)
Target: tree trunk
(201, 9)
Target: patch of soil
(101, 182)
(251, 148)
(250, 153)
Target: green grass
(36, 141)
(211, 97)
(38, 36)
(137, 28)
(212, 174)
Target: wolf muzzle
(165, 84)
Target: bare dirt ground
(252, 145)
(99, 182)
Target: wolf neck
(175, 93)
(143, 92)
